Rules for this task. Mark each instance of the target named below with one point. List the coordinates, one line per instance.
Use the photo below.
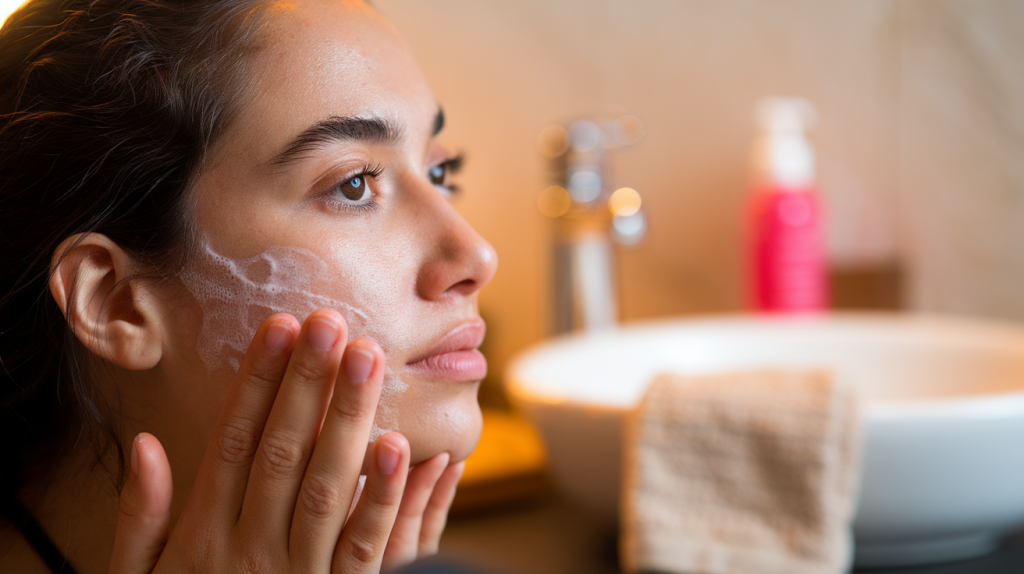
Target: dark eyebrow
(438, 121)
(338, 129)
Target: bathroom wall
(961, 112)
(921, 120)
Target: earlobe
(108, 307)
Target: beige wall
(692, 70)
(962, 153)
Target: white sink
(943, 474)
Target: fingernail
(322, 334)
(358, 365)
(387, 459)
(135, 457)
(277, 338)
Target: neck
(77, 505)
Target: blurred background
(920, 141)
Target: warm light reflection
(554, 201)
(624, 202)
(7, 7)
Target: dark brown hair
(107, 111)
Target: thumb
(142, 523)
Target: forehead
(324, 58)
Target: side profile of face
(330, 190)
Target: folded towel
(745, 473)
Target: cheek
(182, 364)
(378, 288)
(237, 295)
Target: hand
(280, 474)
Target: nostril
(464, 287)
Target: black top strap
(23, 520)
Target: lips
(455, 356)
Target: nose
(460, 261)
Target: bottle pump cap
(782, 156)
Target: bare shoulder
(16, 555)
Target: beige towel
(746, 473)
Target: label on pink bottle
(788, 254)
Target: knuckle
(254, 561)
(236, 442)
(262, 381)
(321, 498)
(310, 370)
(350, 409)
(362, 550)
(384, 499)
(282, 456)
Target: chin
(451, 426)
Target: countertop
(552, 536)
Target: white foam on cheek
(387, 417)
(237, 295)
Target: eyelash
(369, 170)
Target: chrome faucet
(589, 215)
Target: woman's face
(330, 190)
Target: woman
(229, 252)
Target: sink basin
(943, 466)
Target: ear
(109, 309)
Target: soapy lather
(237, 295)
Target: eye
(441, 174)
(356, 191)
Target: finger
(145, 514)
(293, 426)
(362, 544)
(221, 482)
(331, 478)
(436, 514)
(403, 545)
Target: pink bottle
(786, 242)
